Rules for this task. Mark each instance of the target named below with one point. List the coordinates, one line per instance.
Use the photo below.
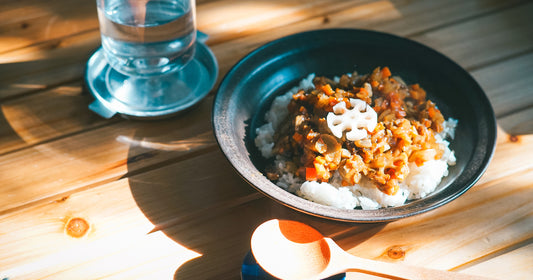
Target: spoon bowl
(303, 247)
(293, 250)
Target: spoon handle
(395, 270)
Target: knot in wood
(514, 138)
(77, 227)
(396, 252)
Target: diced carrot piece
(391, 172)
(327, 89)
(401, 144)
(385, 72)
(299, 95)
(363, 93)
(333, 101)
(432, 111)
(297, 137)
(319, 160)
(401, 114)
(310, 174)
(374, 84)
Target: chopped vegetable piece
(310, 174)
(327, 89)
(385, 72)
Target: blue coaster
(250, 270)
(115, 93)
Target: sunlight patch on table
(244, 15)
(117, 239)
(106, 257)
(199, 141)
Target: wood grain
(34, 125)
(507, 84)
(65, 52)
(100, 155)
(122, 213)
(454, 236)
(29, 21)
(164, 196)
(518, 261)
(46, 64)
(162, 202)
(386, 16)
(497, 36)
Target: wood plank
(423, 16)
(128, 147)
(98, 155)
(102, 147)
(508, 148)
(30, 22)
(94, 138)
(154, 256)
(45, 65)
(40, 24)
(517, 262)
(122, 216)
(48, 115)
(486, 39)
(507, 84)
(484, 220)
(67, 52)
(53, 60)
(519, 125)
(139, 184)
(117, 229)
(149, 199)
(449, 40)
(24, 74)
(225, 21)
(27, 22)
(408, 18)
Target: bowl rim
(269, 189)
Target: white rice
(277, 113)
(420, 182)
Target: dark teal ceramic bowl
(249, 87)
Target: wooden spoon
(293, 250)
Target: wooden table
(83, 197)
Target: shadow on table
(199, 201)
(220, 229)
(517, 125)
(194, 196)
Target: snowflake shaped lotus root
(356, 121)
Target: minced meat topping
(404, 131)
